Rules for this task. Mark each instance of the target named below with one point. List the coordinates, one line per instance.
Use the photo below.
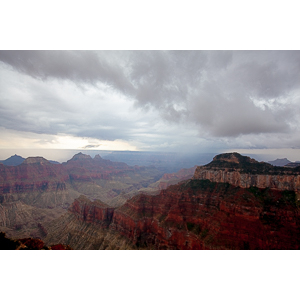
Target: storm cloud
(154, 97)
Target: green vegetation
(266, 197)
(197, 184)
(224, 187)
(195, 228)
(204, 233)
(289, 197)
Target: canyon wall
(280, 182)
(40, 183)
(195, 214)
(245, 172)
(199, 214)
(95, 212)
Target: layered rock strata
(195, 214)
(40, 183)
(199, 214)
(244, 172)
(37, 191)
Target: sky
(177, 101)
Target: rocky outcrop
(95, 212)
(245, 172)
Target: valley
(233, 203)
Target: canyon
(38, 182)
(36, 190)
(234, 202)
(194, 214)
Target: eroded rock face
(280, 182)
(31, 179)
(245, 172)
(199, 214)
(36, 191)
(195, 214)
(40, 183)
(92, 212)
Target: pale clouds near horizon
(152, 100)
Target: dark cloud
(78, 66)
(220, 93)
(91, 146)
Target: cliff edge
(245, 172)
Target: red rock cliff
(95, 212)
(199, 214)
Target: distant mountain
(279, 162)
(14, 160)
(54, 162)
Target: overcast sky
(201, 101)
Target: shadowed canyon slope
(27, 244)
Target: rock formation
(95, 212)
(38, 187)
(245, 172)
(194, 214)
(38, 182)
